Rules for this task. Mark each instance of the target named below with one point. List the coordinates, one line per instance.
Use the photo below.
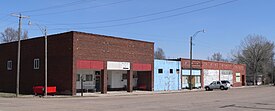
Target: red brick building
(214, 70)
(73, 55)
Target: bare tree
(11, 35)
(217, 57)
(256, 52)
(25, 35)
(159, 54)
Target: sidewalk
(124, 93)
(119, 93)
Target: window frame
(36, 63)
(9, 65)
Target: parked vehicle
(216, 85)
(226, 82)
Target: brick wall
(59, 64)
(106, 48)
(8, 51)
(214, 65)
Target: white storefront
(196, 78)
(210, 76)
(117, 74)
(226, 75)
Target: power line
(140, 16)
(155, 37)
(57, 6)
(154, 19)
(66, 11)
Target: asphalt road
(244, 99)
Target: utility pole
(18, 51)
(191, 55)
(46, 62)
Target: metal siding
(166, 80)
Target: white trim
(36, 63)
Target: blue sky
(165, 22)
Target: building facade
(167, 75)
(101, 62)
(209, 71)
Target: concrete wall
(166, 80)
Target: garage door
(227, 75)
(210, 76)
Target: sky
(167, 23)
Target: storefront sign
(118, 65)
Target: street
(239, 99)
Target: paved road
(245, 99)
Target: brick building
(204, 72)
(104, 62)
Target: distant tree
(257, 53)
(10, 35)
(159, 54)
(217, 57)
(25, 35)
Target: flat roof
(78, 32)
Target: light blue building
(167, 75)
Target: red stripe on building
(89, 64)
(142, 67)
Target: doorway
(243, 80)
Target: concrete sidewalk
(124, 93)
(118, 93)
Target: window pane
(78, 77)
(171, 71)
(124, 76)
(89, 77)
(160, 71)
(9, 65)
(36, 63)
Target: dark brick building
(73, 54)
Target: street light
(44, 31)
(191, 44)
